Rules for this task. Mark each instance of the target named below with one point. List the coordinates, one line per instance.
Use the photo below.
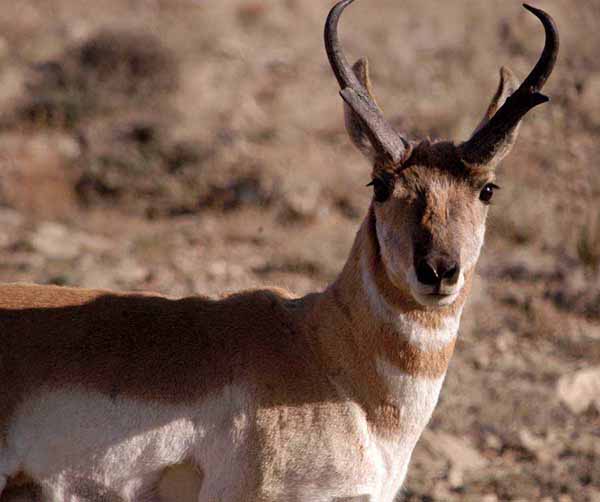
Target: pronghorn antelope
(265, 396)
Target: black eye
(487, 193)
(383, 186)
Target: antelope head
(431, 199)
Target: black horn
(390, 146)
(490, 142)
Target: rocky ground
(197, 147)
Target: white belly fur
(63, 438)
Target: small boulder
(580, 390)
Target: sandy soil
(198, 147)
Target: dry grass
(149, 111)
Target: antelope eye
(383, 187)
(487, 192)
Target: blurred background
(198, 146)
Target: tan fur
(303, 358)
(316, 374)
(354, 340)
(147, 346)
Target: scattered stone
(55, 241)
(458, 452)
(544, 449)
(456, 477)
(579, 390)
(492, 441)
(440, 492)
(59, 242)
(490, 497)
(220, 269)
(130, 273)
(502, 341)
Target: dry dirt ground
(197, 146)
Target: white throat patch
(417, 334)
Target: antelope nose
(432, 272)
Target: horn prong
(489, 140)
(388, 143)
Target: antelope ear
(508, 84)
(354, 125)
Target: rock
(93, 273)
(490, 497)
(440, 492)
(579, 390)
(221, 269)
(130, 273)
(544, 449)
(492, 441)
(502, 341)
(55, 241)
(59, 242)
(217, 269)
(458, 452)
(95, 244)
(68, 147)
(456, 477)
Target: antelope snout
(438, 271)
(436, 279)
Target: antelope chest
(407, 410)
(76, 442)
(334, 451)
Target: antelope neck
(374, 323)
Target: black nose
(432, 271)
